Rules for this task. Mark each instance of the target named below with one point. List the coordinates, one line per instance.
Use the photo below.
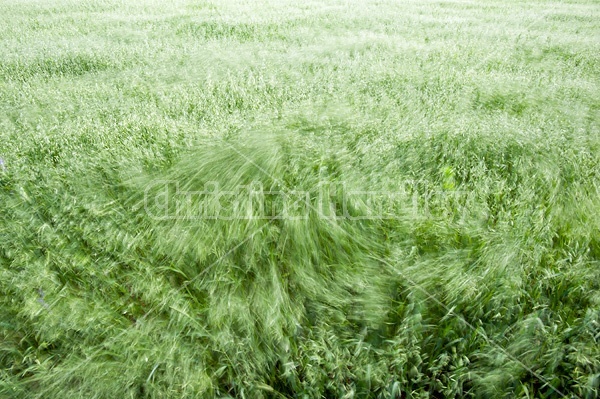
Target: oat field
(299, 199)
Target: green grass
(480, 280)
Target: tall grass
(443, 228)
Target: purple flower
(2, 165)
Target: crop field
(299, 199)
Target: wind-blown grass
(478, 275)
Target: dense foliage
(441, 161)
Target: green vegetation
(480, 279)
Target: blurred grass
(483, 116)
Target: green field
(433, 166)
